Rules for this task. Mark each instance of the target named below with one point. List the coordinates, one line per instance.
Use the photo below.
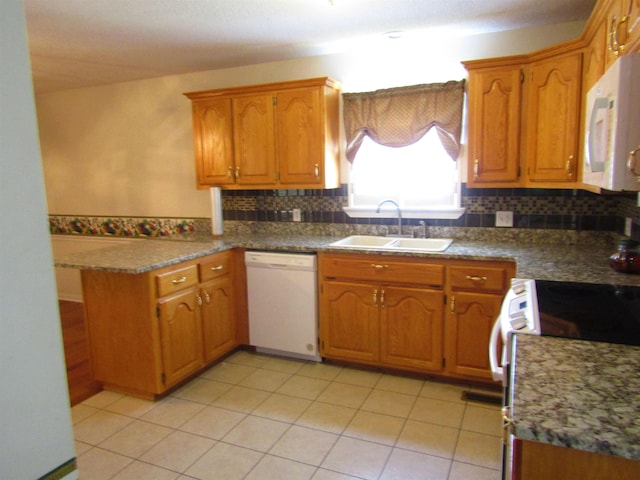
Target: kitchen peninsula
(584, 397)
(539, 260)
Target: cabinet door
(632, 26)
(349, 321)
(299, 135)
(180, 335)
(213, 138)
(217, 317)
(553, 116)
(616, 30)
(253, 134)
(471, 316)
(494, 125)
(594, 58)
(411, 328)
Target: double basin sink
(393, 244)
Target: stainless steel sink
(372, 242)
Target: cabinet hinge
(521, 75)
(163, 377)
(158, 312)
(274, 100)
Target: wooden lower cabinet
(218, 317)
(411, 328)
(148, 332)
(535, 461)
(180, 335)
(406, 313)
(350, 322)
(470, 319)
(382, 311)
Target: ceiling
(79, 43)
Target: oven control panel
(520, 308)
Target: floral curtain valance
(398, 117)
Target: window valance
(398, 117)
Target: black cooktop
(596, 312)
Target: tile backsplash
(532, 208)
(575, 210)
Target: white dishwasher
(283, 303)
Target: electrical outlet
(627, 226)
(296, 215)
(504, 219)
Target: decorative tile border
(548, 210)
(120, 226)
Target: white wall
(34, 404)
(126, 149)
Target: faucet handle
(423, 226)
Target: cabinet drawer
(215, 267)
(383, 270)
(478, 278)
(176, 280)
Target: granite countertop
(577, 394)
(544, 262)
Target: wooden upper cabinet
(494, 125)
(594, 58)
(300, 135)
(279, 135)
(632, 26)
(554, 117)
(213, 141)
(617, 28)
(255, 156)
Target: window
(402, 144)
(422, 178)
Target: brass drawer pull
(219, 267)
(178, 281)
(377, 266)
(476, 279)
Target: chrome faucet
(399, 213)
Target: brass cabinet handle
(316, 169)
(476, 279)
(632, 161)
(237, 173)
(178, 281)
(199, 298)
(219, 267)
(230, 171)
(207, 297)
(476, 169)
(375, 296)
(382, 298)
(570, 166)
(614, 42)
(452, 304)
(377, 266)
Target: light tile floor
(260, 417)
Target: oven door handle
(496, 370)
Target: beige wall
(126, 149)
